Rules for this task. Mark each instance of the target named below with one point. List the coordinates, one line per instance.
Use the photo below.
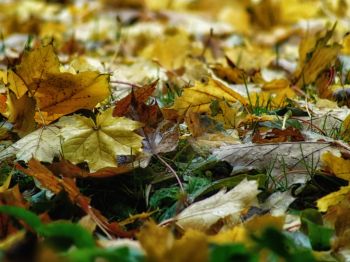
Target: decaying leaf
(98, 143)
(42, 144)
(223, 205)
(276, 158)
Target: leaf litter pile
(183, 130)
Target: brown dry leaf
(164, 138)
(3, 99)
(10, 196)
(55, 184)
(224, 205)
(67, 169)
(137, 97)
(290, 134)
(336, 165)
(48, 180)
(323, 84)
(198, 98)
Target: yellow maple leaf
(98, 143)
(55, 93)
(199, 97)
(337, 165)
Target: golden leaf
(233, 235)
(333, 198)
(55, 93)
(272, 99)
(65, 93)
(160, 245)
(199, 97)
(169, 51)
(99, 143)
(336, 165)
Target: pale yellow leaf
(98, 143)
(42, 144)
(229, 205)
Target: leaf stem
(172, 171)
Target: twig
(172, 171)
(310, 124)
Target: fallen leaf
(170, 51)
(55, 93)
(336, 165)
(345, 129)
(198, 98)
(98, 143)
(290, 134)
(278, 158)
(43, 144)
(333, 199)
(21, 113)
(160, 244)
(55, 184)
(223, 205)
(139, 96)
(315, 56)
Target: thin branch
(172, 171)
